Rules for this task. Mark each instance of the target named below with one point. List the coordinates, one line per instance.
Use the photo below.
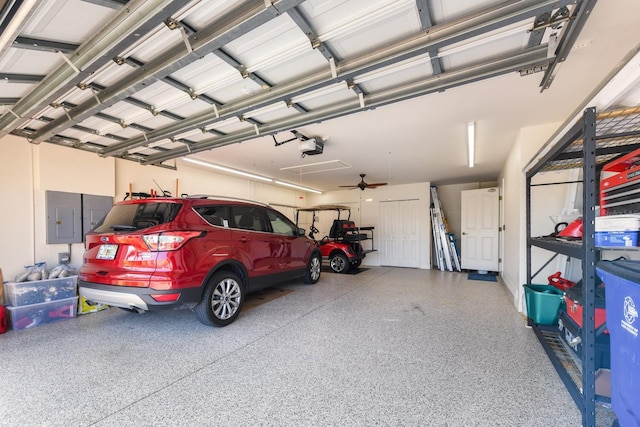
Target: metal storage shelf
(572, 249)
(589, 144)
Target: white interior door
(399, 238)
(480, 229)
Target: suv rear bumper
(135, 298)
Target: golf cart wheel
(339, 263)
(313, 269)
(222, 300)
(356, 263)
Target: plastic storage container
(29, 316)
(629, 222)
(622, 284)
(616, 238)
(37, 291)
(543, 303)
(617, 230)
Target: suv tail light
(169, 241)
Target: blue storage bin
(622, 285)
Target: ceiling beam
(441, 35)
(139, 17)
(316, 44)
(240, 21)
(20, 78)
(426, 22)
(220, 53)
(111, 4)
(535, 36)
(572, 30)
(311, 34)
(447, 80)
(31, 43)
(170, 81)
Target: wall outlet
(63, 258)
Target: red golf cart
(342, 246)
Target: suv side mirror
(301, 231)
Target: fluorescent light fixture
(309, 168)
(299, 187)
(471, 141)
(249, 175)
(226, 169)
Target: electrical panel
(64, 217)
(71, 215)
(94, 208)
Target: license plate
(107, 251)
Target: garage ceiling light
(248, 175)
(299, 187)
(471, 141)
(230, 170)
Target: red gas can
(3, 319)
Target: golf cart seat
(345, 230)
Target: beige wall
(512, 178)
(17, 206)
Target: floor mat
(351, 271)
(483, 277)
(264, 296)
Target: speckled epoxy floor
(386, 347)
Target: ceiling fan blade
(377, 184)
(348, 186)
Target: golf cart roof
(325, 208)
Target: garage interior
(288, 102)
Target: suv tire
(222, 300)
(314, 267)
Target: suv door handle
(243, 239)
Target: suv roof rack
(234, 199)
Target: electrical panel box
(94, 208)
(64, 217)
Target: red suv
(199, 252)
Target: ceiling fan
(362, 185)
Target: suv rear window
(137, 216)
(214, 215)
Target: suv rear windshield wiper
(121, 227)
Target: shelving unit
(589, 144)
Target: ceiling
(389, 86)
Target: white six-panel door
(480, 229)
